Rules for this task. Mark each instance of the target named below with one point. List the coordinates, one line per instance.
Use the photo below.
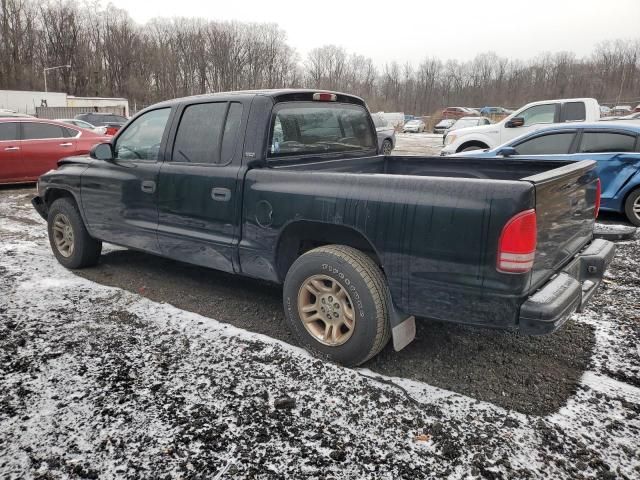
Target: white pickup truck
(530, 117)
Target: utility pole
(44, 73)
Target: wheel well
(472, 143)
(54, 194)
(300, 237)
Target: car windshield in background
(320, 128)
(413, 122)
(464, 124)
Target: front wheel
(335, 300)
(632, 207)
(470, 149)
(72, 245)
(387, 146)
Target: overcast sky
(409, 30)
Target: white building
(27, 101)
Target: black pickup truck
(288, 186)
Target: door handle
(66, 144)
(221, 194)
(148, 186)
(11, 149)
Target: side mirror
(507, 152)
(515, 122)
(102, 151)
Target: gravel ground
(121, 371)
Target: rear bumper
(40, 206)
(569, 291)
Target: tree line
(111, 55)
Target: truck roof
(279, 95)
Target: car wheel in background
(387, 146)
(335, 301)
(72, 245)
(632, 207)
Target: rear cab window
(574, 112)
(305, 128)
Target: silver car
(414, 126)
(386, 134)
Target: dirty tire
(86, 250)
(387, 146)
(632, 207)
(367, 288)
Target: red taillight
(517, 245)
(598, 194)
(324, 97)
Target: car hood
(479, 129)
(77, 160)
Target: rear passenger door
(198, 190)
(617, 156)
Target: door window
(207, 133)
(552, 144)
(8, 131)
(142, 138)
(605, 142)
(38, 131)
(539, 114)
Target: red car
(30, 147)
(458, 112)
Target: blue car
(615, 146)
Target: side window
(605, 142)
(539, 114)
(69, 132)
(574, 112)
(199, 133)
(552, 144)
(36, 131)
(141, 140)
(8, 131)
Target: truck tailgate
(565, 210)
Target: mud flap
(403, 326)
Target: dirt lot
(418, 144)
(107, 372)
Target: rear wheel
(72, 245)
(632, 207)
(335, 300)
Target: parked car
(631, 116)
(466, 122)
(458, 112)
(621, 110)
(386, 134)
(110, 121)
(286, 186)
(5, 113)
(614, 146)
(605, 111)
(30, 147)
(443, 125)
(487, 111)
(83, 124)
(414, 126)
(531, 117)
(637, 109)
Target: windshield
(413, 122)
(305, 128)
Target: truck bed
(436, 223)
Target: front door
(198, 194)
(119, 197)
(43, 144)
(534, 117)
(11, 165)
